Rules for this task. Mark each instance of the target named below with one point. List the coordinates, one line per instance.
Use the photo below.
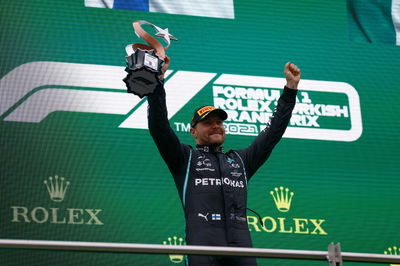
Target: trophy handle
(160, 50)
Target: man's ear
(193, 132)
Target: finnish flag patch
(216, 217)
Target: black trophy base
(144, 69)
(141, 82)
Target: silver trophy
(145, 62)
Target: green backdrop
(65, 113)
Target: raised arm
(168, 144)
(260, 149)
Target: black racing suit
(212, 184)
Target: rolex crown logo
(282, 198)
(175, 242)
(392, 251)
(56, 188)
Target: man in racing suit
(212, 183)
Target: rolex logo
(282, 198)
(392, 251)
(175, 242)
(286, 225)
(56, 188)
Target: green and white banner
(77, 162)
(374, 21)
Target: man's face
(209, 131)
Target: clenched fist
(292, 74)
(164, 67)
